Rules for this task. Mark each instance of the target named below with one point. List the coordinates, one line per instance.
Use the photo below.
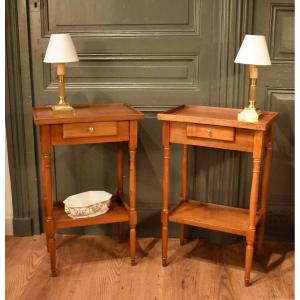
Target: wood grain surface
(87, 113)
(215, 116)
(78, 130)
(222, 131)
(58, 136)
(243, 138)
(212, 216)
(109, 123)
(117, 213)
(97, 267)
(210, 132)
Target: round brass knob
(91, 129)
(209, 132)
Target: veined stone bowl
(87, 204)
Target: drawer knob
(91, 129)
(209, 132)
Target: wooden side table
(217, 127)
(91, 124)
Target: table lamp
(61, 50)
(253, 52)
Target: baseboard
(9, 226)
(22, 226)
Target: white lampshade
(60, 49)
(253, 51)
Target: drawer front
(94, 129)
(210, 132)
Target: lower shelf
(212, 216)
(117, 213)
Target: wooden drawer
(210, 132)
(95, 129)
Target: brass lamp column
(63, 104)
(61, 50)
(253, 51)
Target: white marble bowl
(87, 204)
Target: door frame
(18, 119)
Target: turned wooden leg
(132, 245)
(249, 259)
(164, 237)
(184, 183)
(132, 189)
(46, 237)
(47, 242)
(132, 212)
(250, 236)
(120, 169)
(264, 198)
(120, 226)
(50, 231)
(47, 192)
(166, 183)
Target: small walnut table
(217, 127)
(91, 124)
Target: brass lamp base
(62, 106)
(249, 114)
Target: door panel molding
(183, 18)
(155, 71)
(282, 34)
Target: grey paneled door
(155, 54)
(151, 54)
(142, 52)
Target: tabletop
(86, 113)
(215, 116)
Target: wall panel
(282, 39)
(155, 55)
(98, 71)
